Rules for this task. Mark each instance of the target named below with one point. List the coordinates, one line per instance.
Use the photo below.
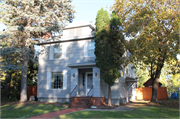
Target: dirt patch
(167, 103)
(35, 103)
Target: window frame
(52, 82)
(59, 45)
(92, 41)
(52, 53)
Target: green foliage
(12, 83)
(143, 76)
(108, 46)
(26, 19)
(12, 95)
(32, 72)
(153, 31)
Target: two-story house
(67, 69)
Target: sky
(87, 9)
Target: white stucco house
(67, 69)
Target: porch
(85, 85)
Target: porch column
(74, 80)
(96, 82)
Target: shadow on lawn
(141, 110)
(24, 110)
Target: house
(148, 83)
(67, 69)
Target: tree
(32, 75)
(11, 80)
(26, 19)
(108, 48)
(152, 27)
(142, 74)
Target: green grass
(141, 112)
(25, 111)
(177, 99)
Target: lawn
(141, 112)
(28, 110)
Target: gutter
(78, 65)
(59, 40)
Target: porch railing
(91, 95)
(72, 92)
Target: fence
(31, 91)
(145, 93)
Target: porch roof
(83, 64)
(129, 79)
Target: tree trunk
(155, 84)
(109, 96)
(23, 96)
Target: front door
(89, 80)
(82, 84)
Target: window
(57, 51)
(57, 80)
(91, 47)
(78, 31)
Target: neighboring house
(148, 83)
(67, 68)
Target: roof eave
(82, 65)
(66, 40)
(90, 25)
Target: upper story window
(80, 31)
(91, 48)
(57, 51)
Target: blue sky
(87, 9)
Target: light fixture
(96, 74)
(73, 75)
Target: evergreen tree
(26, 19)
(108, 48)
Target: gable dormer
(78, 29)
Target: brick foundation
(97, 101)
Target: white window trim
(63, 80)
(49, 78)
(86, 48)
(51, 52)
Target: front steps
(80, 102)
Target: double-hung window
(91, 48)
(57, 80)
(57, 51)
